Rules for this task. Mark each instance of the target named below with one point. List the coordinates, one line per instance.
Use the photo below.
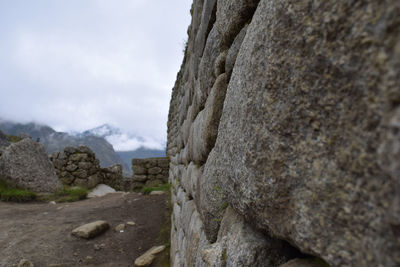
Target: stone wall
(149, 172)
(80, 167)
(284, 129)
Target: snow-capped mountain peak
(104, 130)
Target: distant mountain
(56, 141)
(111, 134)
(140, 153)
(99, 139)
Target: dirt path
(41, 232)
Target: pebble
(120, 228)
(99, 247)
(157, 193)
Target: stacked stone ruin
(150, 172)
(80, 167)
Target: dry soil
(41, 232)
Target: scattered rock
(101, 190)
(147, 258)
(120, 227)
(98, 247)
(157, 193)
(131, 223)
(25, 263)
(91, 230)
(25, 164)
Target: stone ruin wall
(80, 167)
(283, 135)
(149, 172)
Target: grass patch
(148, 190)
(13, 138)
(13, 194)
(69, 194)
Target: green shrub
(148, 190)
(10, 193)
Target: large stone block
(234, 51)
(232, 17)
(205, 127)
(297, 147)
(206, 77)
(25, 164)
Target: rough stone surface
(307, 142)
(302, 143)
(25, 164)
(239, 245)
(205, 128)
(232, 16)
(91, 230)
(234, 51)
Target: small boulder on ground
(25, 164)
(25, 263)
(157, 193)
(147, 258)
(120, 227)
(91, 230)
(101, 190)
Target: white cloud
(75, 65)
(124, 142)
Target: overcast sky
(77, 64)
